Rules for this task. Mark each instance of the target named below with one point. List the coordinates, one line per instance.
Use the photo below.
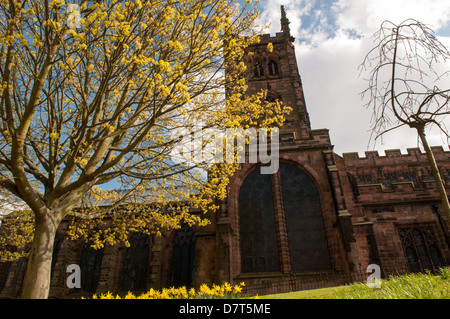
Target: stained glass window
(90, 266)
(183, 258)
(135, 268)
(421, 248)
(258, 238)
(308, 247)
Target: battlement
(279, 37)
(282, 36)
(394, 157)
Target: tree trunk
(436, 175)
(37, 279)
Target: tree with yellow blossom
(95, 92)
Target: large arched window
(258, 239)
(301, 220)
(135, 268)
(308, 247)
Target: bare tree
(408, 85)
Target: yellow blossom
(216, 291)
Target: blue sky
(332, 38)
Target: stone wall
(391, 192)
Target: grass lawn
(323, 293)
(409, 286)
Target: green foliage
(321, 293)
(16, 235)
(408, 286)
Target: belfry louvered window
(273, 68)
(258, 69)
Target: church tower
(277, 72)
(274, 227)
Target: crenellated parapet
(395, 176)
(277, 38)
(394, 157)
(282, 36)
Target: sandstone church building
(321, 219)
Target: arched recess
(258, 67)
(281, 226)
(90, 266)
(273, 68)
(137, 256)
(183, 257)
(273, 65)
(308, 248)
(258, 238)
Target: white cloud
(366, 16)
(332, 39)
(331, 86)
(295, 9)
